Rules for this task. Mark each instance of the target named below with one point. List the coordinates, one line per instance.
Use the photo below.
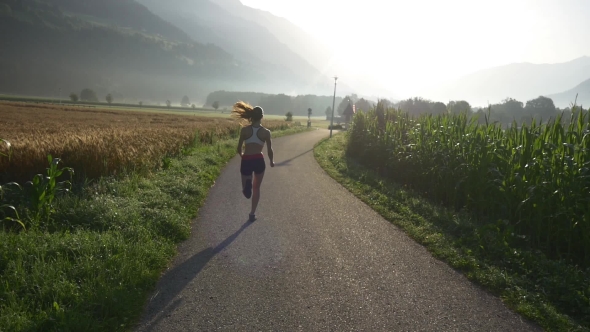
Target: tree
(194, 106)
(387, 103)
(509, 110)
(168, 103)
(458, 106)
(309, 113)
(185, 102)
(418, 106)
(88, 95)
(363, 105)
(541, 108)
(480, 114)
(328, 112)
(215, 105)
(414, 106)
(74, 97)
(438, 108)
(109, 98)
(140, 103)
(342, 106)
(512, 106)
(289, 116)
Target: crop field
(530, 183)
(94, 247)
(115, 105)
(97, 141)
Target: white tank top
(254, 138)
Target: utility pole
(333, 104)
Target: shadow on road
(174, 281)
(286, 162)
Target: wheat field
(97, 142)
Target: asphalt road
(317, 259)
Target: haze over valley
(153, 51)
(426, 165)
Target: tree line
(278, 104)
(509, 110)
(505, 112)
(89, 96)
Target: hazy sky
(409, 45)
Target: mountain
(296, 39)
(161, 51)
(121, 13)
(521, 81)
(55, 47)
(307, 46)
(244, 32)
(565, 99)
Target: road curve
(317, 259)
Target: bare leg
(244, 179)
(256, 191)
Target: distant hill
(565, 99)
(163, 51)
(305, 45)
(55, 47)
(122, 13)
(244, 32)
(522, 81)
(296, 39)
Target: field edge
(412, 214)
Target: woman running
(253, 138)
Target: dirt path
(317, 259)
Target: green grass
(93, 266)
(551, 293)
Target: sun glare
(425, 42)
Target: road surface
(317, 259)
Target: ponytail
(245, 111)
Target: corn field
(532, 183)
(97, 142)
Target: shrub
(337, 126)
(88, 95)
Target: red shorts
(252, 163)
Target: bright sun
(423, 42)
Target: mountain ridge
(207, 22)
(77, 54)
(294, 37)
(580, 95)
(522, 81)
(123, 13)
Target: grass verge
(93, 267)
(553, 294)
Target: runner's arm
(241, 142)
(270, 151)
